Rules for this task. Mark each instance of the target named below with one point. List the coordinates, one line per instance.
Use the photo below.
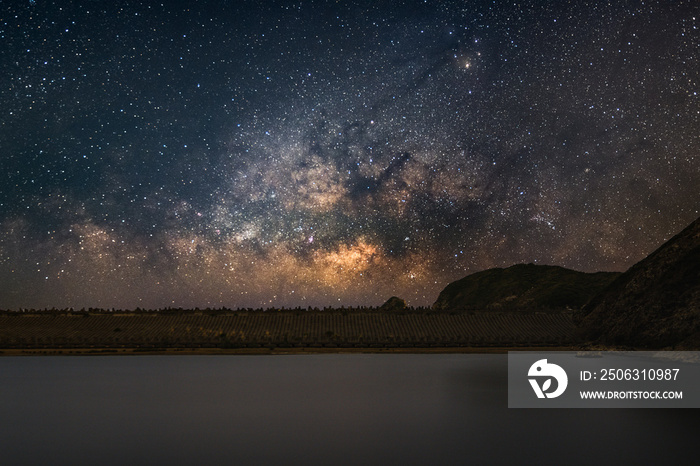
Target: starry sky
(327, 153)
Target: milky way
(321, 153)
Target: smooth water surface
(309, 409)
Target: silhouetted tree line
(213, 311)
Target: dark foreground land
(282, 331)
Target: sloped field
(286, 329)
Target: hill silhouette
(656, 303)
(393, 304)
(523, 286)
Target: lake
(309, 409)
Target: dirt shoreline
(269, 351)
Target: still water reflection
(308, 409)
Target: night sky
(311, 153)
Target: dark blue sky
(323, 153)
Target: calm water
(312, 409)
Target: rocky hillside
(656, 303)
(523, 286)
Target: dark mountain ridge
(656, 303)
(523, 286)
